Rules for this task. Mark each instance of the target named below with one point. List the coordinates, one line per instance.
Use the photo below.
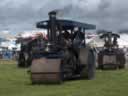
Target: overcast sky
(20, 15)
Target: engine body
(65, 54)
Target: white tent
(122, 41)
(10, 45)
(96, 41)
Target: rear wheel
(88, 71)
(21, 60)
(122, 61)
(100, 60)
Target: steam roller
(111, 56)
(65, 54)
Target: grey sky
(19, 15)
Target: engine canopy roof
(65, 24)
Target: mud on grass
(15, 82)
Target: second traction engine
(111, 57)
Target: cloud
(23, 14)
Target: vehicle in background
(111, 56)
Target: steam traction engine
(111, 57)
(65, 54)
(27, 43)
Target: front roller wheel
(46, 71)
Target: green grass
(15, 82)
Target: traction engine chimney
(52, 26)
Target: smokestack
(52, 24)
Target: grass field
(15, 82)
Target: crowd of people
(8, 54)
